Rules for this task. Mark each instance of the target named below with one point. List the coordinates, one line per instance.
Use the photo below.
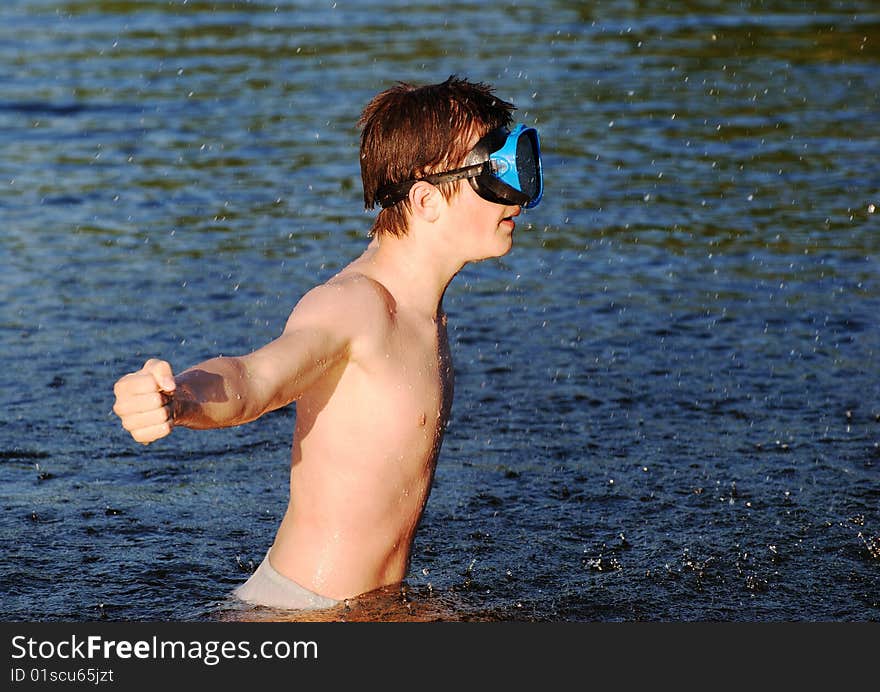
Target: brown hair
(409, 131)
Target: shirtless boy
(365, 355)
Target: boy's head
(410, 131)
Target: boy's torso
(365, 447)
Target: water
(668, 394)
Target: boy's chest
(418, 371)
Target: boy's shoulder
(350, 300)
(359, 292)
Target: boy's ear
(425, 200)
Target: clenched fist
(143, 401)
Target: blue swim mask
(504, 167)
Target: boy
(365, 355)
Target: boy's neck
(415, 274)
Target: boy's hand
(143, 401)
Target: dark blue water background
(668, 393)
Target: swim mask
(504, 167)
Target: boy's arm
(227, 391)
(231, 390)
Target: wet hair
(409, 131)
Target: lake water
(668, 393)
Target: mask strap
(391, 194)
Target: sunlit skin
(365, 357)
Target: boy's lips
(511, 216)
(509, 219)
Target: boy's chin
(495, 255)
(506, 247)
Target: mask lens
(516, 165)
(527, 164)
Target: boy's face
(483, 229)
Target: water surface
(668, 394)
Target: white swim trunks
(268, 587)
